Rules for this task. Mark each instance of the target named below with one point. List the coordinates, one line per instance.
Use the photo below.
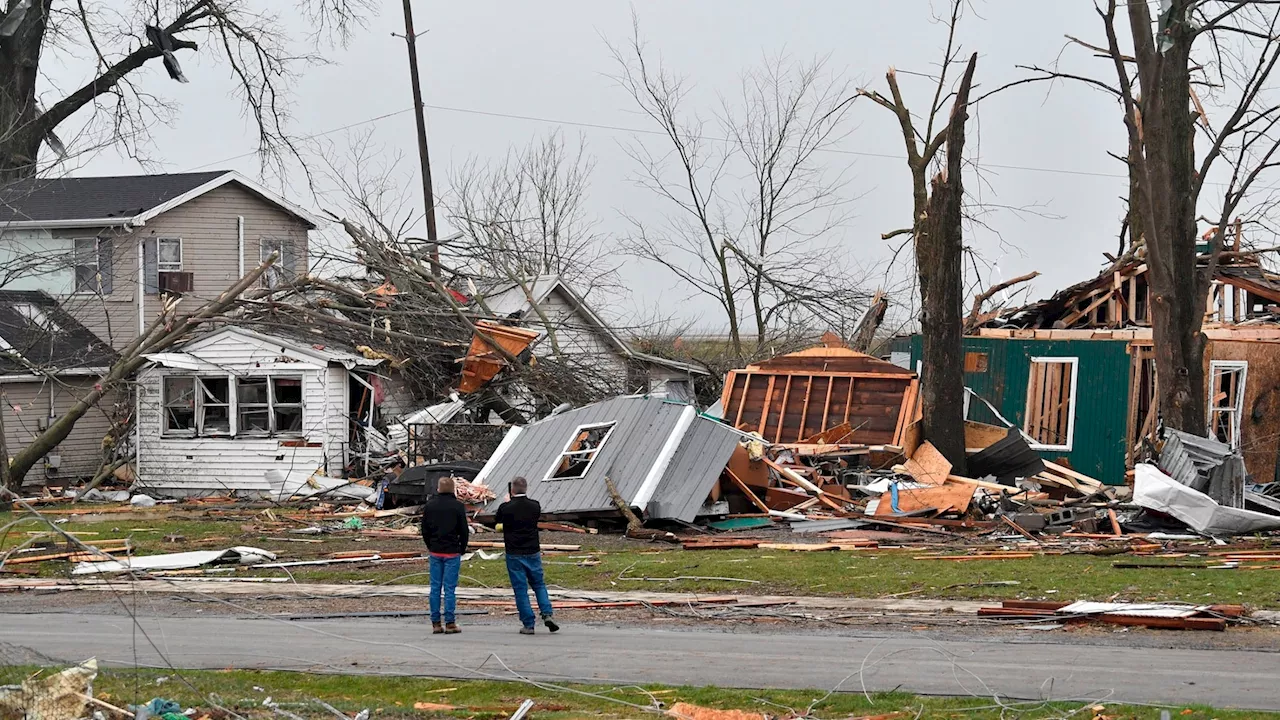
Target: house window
(269, 405)
(92, 259)
(282, 270)
(580, 452)
(1226, 399)
(1051, 402)
(37, 318)
(179, 400)
(204, 406)
(170, 254)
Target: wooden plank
(928, 465)
(826, 405)
(747, 491)
(804, 409)
(768, 399)
(1064, 470)
(745, 387)
(848, 401)
(1115, 523)
(1034, 400)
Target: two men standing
(445, 531)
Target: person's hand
(506, 497)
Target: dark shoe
(526, 631)
(551, 624)
(436, 628)
(452, 629)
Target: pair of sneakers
(546, 619)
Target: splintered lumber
(943, 498)
(928, 465)
(1068, 472)
(742, 486)
(562, 527)
(799, 547)
(721, 544)
(831, 436)
(793, 476)
(784, 499)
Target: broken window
(178, 396)
(1051, 402)
(253, 400)
(92, 261)
(1226, 399)
(215, 406)
(580, 452)
(286, 404)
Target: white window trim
(233, 407)
(161, 264)
(1074, 362)
(612, 425)
(1238, 410)
(96, 264)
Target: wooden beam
(786, 393)
(746, 386)
(826, 406)
(768, 398)
(747, 491)
(804, 409)
(848, 401)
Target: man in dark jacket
(445, 531)
(518, 517)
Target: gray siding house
(106, 247)
(663, 456)
(48, 362)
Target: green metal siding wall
(1102, 394)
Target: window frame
(1074, 363)
(1237, 412)
(549, 475)
(77, 254)
(161, 265)
(202, 401)
(278, 274)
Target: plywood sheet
(928, 466)
(944, 498)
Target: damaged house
(219, 412)
(664, 458)
(1076, 372)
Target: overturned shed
(663, 457)
(797, 396)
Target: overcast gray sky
(548, 63)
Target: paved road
(1029, 670)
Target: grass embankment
(602, 565)
(243, 692)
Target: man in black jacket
(518, 517)
(445, 531)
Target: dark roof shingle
(83, 198)
(40, 333)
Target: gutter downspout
(240, 241)
(142, 289)
(659, 468)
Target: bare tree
(1193, 55)
(109, 47)
(935, 234)
(527, 216)
(753, 211)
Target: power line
(642, 131)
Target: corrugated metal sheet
(704, 451)
(1102, 394)
(642, 427)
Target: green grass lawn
(243, 692)
(862, 573)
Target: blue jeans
(525, 571)
(444, 577)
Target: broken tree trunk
(865, 333)
(635, 528)
(976, 316)
(939, 251)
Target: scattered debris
(61, 696)
(177, 561)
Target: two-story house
(106, 247)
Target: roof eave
(297, 211)
(68, 224)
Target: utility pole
(419, 110)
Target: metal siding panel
(695, 469)
(1102, 394)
